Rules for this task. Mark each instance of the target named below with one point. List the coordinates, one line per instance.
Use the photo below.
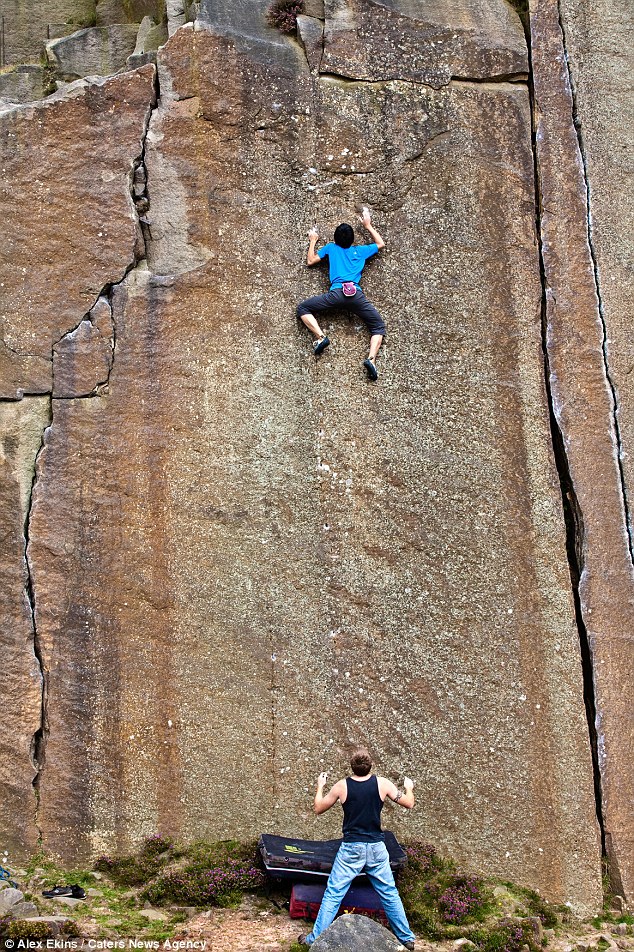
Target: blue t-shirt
(346, 264)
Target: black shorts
(358, 304)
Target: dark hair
(361, 762)
(344, 235)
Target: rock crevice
(597, 280)
(38, 742)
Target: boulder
(20, 84)
(9, 898)
(28, 26)
(154, 915)
(97, 51)
(352, 933)
(23, 910)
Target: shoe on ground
(409, 945)
(65, 892)
(320, 345)
(370, 369)
(302, 939)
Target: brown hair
(361, 762)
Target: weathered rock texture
(353, 933)
(427, 43)
(23, 83)
(25, 27)
(28, 26)
(21, 427)
(93, 52)
(244, 560)
(586, 228)
(77, 231)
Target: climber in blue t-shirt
(346, 262)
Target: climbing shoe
(301, 940)
(409, 945)
(370, 369)
(64, 892)
(320, 345)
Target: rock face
(28, 26)
(353, 933)
(94, 52)
(23, 84)
(245, 561)
(584, 248)
(78, 231)
(374, 40)
(21, 427)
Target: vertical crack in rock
(40, 737)
(38, 742)
(139, 188)
(66, 351)
(597, 282)
(573, 516)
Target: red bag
(363, 900)
(349, 288)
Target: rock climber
(363, 851)
(346, 262)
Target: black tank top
(362, 812)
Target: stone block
(352, 933)
(97, 51)
(21, 84)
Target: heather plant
(421, 857)
(201, 874)
(508, 935)
(461, 900)
(283, 14)
(437, 898)
(136, 870)
(216, 874)
(220, 886)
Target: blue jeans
(351, 860)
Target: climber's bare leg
(375, 342)
(312, 325)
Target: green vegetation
(444, 903)
(437, 898)
(508, 935)
(203, 874)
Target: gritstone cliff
(221, 558)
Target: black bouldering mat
(287, 858)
